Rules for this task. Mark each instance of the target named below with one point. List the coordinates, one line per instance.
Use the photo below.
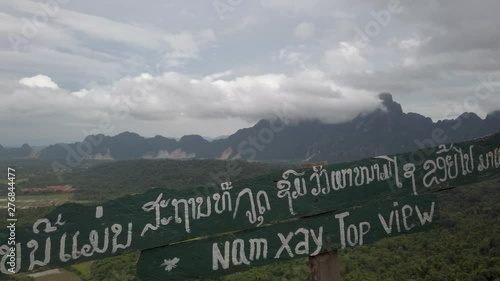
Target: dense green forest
(464, 245)
(99, 181)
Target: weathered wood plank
(75, 233)
(285, 241)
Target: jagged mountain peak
(26, 146)
(470, 116)
(192, 138)
(386, 97)
(128, 134)
(387, 130)
(389, 104)
(493, 115)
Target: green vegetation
(26, 216)
(465, 245)
(98, 181)
(21, 180)
(57, 197)
(82, 269)
(121, 268)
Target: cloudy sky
(69, 68)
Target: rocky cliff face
(386, 130)
(25, 151)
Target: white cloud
(95, 27)
(304, 30)
(296, 6)
(176, 45)
(175, 96)
(242, 24)
(40, 81)
(72, 33)
(410, 44)
(409, 61)
(186, 45)
(292, 57)
(346, 58)
(96, 53)
(59, 65)
(219, 75)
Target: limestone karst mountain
(386, 130)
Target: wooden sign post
(325, 267)
(281, 216)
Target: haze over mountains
(384, 131)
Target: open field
(83, 269)
(55, 275)
(24, 201)
(21, 180)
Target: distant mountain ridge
(386, 130)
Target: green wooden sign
(74, 233)
(299, 238)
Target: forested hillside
(465, 245)
(104, 180)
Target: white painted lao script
(183, 211)
(98, 243)
(294, 187)
(452, 162)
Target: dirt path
(55, 275)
